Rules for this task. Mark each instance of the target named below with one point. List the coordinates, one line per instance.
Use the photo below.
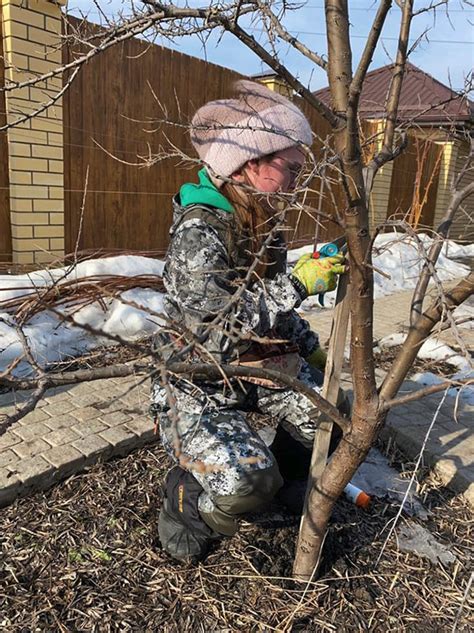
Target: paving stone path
(78, 425)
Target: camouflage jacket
(205, 261)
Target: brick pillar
(31, 36)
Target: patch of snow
(464, 312)
(432, 349)
(465, 393)
(134, 315)
(398, 255)
(392, 340)
(52, 340)
(376, 477)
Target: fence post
(31, 44)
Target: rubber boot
(183, 533)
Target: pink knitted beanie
(229, 132)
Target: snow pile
(51, 339)
(398, 255)
(434, 349)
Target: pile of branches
(76, 293)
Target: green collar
(204, 193)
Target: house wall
(31, 30)
(447, 170)
(379, 197)
(462, 228)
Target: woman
(234, 306)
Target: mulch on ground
(85, 556)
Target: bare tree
(355, 175)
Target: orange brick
(28, 164)
(20, 149)
(20, 134)
(55, 139)
(56, 166)
(25, 47)
(20, 177)
(21, 205)
(50, 9)
(44, 257)
(56, 218)
(57, 243)
(40, 65)
(53, 25)
(45, 124)
(24, 16)
(44, 36)
(16, 65)
(28, 191)
(23, 258)
(56, 193)
(14, 29)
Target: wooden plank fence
(115, 115)
(112, 118)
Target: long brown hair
(254, 220)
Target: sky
(447, 51)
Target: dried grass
(85, 557)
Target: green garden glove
(317, 359)
(317, 276)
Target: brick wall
(31, 32)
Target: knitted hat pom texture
(229, 132)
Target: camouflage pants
(237, 471)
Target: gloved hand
(317, 276)
(317, 359)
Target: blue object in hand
(328, 250)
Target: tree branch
(433, 254)
(366, 58)
(200, 371)
(287, 37)
(387, 152)
(426, 391)
(418, 333)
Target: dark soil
(85, 556)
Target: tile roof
(422, 97)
